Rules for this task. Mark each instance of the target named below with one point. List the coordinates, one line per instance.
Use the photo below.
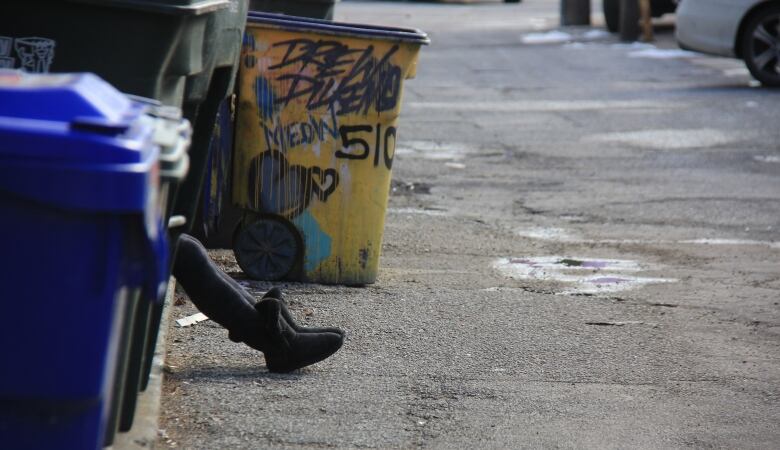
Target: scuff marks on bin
(363, 252)
(579, 275)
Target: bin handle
(179, 171)
(180, 150)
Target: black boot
(285, 349)
(276, 293)
(261, 325)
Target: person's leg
(262, 326)
(209, 291)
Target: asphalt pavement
(582, 250)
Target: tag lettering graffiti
(35, 54)
(348, 80)
(292, 135)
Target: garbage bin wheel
(267, 248)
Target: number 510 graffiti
(361, 149)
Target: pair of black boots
(266, 325)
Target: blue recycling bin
(82, 237)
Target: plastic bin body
(205, 93)
(83, 237)
(315, 141)
(172, 134)
(215, 228)
(224, 31)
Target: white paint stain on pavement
(735, 242)
(767, 158)
(547, 234)
(416, 211)
(559, 37)
(550, 37)
(663, 53)
(576, 45)
(596, 34)
(538, 23)
(456, 166)
(550, 267)
(503, 106)
(583, 275)
(437, 151)
(563, 235)
(632, 46)
(670, 139)
(736, 72)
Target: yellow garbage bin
(316, 127)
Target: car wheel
(761, 46)
(612, 15)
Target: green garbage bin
(142, 47)
(204, 93)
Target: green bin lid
(181, 7)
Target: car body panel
(711, 26)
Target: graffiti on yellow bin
(315, 141)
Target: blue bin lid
(410, 35)
(73, 141)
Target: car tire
(760, 46)
(612, 15)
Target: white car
(745, 29)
